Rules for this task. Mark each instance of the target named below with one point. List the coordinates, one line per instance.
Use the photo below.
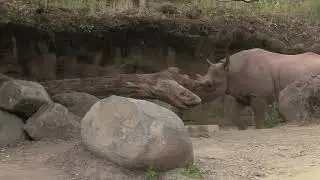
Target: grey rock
(53, 121)
(299, 101)
(78, 103)
(136, 134)
(11, 129)
(23, 98)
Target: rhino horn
(210, 63)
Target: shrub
(273, 117)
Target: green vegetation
(273, 117)
(152, 174)
(310, 8)
(285, 7)
(194, 172)
(191, 171)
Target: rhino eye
(210, 85)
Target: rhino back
(293, 67)
(260, 72)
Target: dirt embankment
(158, 40)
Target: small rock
(136, 134)
(53, 121)
(23, 98)
(202, 130)
(259, 174)
(11, 129)
(78, 103)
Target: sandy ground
(282, 153)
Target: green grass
(273, 117)
(309, 8)
(194, 172)
(152, 174)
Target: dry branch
(169, 86)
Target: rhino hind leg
(237, 107)
(259, 107)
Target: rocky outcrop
(136, 134)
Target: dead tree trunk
(169, 86)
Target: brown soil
(283, 153)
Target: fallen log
(168, 85)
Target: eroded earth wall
(58, 44)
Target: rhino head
(214, 83)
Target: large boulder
(77, 102)
(53, 121)
(300, 100)
(23, 98)
(136, 134)
(11, 129)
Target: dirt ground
(282, 153)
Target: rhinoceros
(255, 78)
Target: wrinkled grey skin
(255, 78)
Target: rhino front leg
(259, 107)
(236, 108)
